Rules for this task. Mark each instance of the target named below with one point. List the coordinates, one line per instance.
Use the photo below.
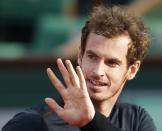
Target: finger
(72, 73)
(54, 106)
(81, 78)
(56, 82)
(64, 72)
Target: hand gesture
(78, 109)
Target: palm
(78, 108)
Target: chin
(98, 97)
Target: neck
(104, 107)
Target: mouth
(97, 83)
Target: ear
(133, 69)
(79, 60)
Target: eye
(112, 63)
(92, 57)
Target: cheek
(116, 76)
(86, 69)
(85, 65)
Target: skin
(97, 81)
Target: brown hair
(116, 21)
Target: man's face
(104, 65)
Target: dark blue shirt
(124, 117)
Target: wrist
(87, 118)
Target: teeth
(97, 83)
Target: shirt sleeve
(26, 122)
(99, 123)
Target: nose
(98, 70)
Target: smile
(97, 83)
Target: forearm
(99, 123)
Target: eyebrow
(91, 52)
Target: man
(113, 45)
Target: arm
(25, 122)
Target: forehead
(116, 46)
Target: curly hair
(116, 21)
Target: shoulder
(135, 115)
(131, 109)
(128, 107)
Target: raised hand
(78, 109)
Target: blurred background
(33, 33)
